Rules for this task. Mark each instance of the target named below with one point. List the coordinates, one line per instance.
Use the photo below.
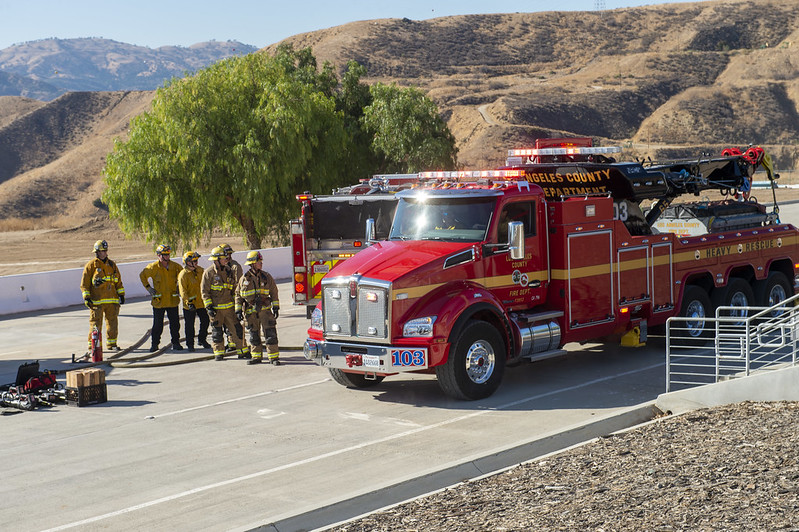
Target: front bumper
(384, 359)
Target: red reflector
(299, 288)
(357, 243)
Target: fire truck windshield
(442, 217)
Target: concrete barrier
(57, 289)
(773, 385)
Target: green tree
(407, 132)
(228, 148)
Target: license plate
(371, 361)
(321, 268)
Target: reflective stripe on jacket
(218, 287)
(107, 276)
(257, 290)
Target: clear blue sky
(256, 22)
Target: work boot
(112, 348)
(190, 348)
(177, 347)
(219, 357)
(275, 361)
(205, 344)
(153, 348)
(256, 360)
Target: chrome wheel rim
(776, 296)
(480, 361)
(695, 311)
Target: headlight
(316, 319)
(419, 327)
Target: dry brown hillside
(662, 80)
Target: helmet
(163, 249)
(253, 257)
(100, 245)
(218, 252)
(190, 256)
(227, 248)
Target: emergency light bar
(532, 152)
(473, 174)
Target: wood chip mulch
(734, 467)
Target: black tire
(475, 365)
(354, 380)
(773, 290)
(696, 304)
(737, 293)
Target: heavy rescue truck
(330, 229)
(482, 270)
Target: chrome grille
(338, 317)
(371, 321)
(356, 308)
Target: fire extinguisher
(97, 345)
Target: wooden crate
(85, 377)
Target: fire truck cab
(488, 268)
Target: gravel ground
(734, 467)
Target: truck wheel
(737, 293)
(354, 380)
(475, 364)
(773, 290)
(696, 305)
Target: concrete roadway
(226, 446)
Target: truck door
(519, 284)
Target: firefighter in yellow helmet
(238, 271)
(218, 290)
(193, 307)
(102, 290)
(259, 300)
(165, 297)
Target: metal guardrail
(766, 339)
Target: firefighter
(165, 297)
(239, 271)
(193, 307)
(259, 300)
(218, 290)
(101, 286)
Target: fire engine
(485, 269)
(330, 229)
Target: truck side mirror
(370, 230)
(516, 240)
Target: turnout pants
(111, 313)
(256, 322)
(189, 318)
(225, 317)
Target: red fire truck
(485, 269)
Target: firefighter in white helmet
(259, 300)
(102, 290)
(218, 290)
